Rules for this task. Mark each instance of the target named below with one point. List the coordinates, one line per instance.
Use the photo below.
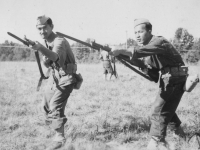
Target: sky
(106, 21)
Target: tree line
(183, 41)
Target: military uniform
(61, 81)
(106, 62)
(160, 54)
(161, 61)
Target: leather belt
(175, 71)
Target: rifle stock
(27, 43)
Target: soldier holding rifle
(160, 55)
(107, 59)
(58, 56)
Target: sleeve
(60, 50)
(138, 62)
(155, 47)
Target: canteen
(191, 83)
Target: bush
(191, 57)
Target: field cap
(140, 21)
(41, 20)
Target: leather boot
(59, 139)
(157, 144)
(178, 132)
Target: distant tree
(196, 44)
(192, 57)
(10, 51)
(85, 54)
(131, 42)
(80, 51)
(183, 40)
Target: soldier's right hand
(116, 50)
(36, 46)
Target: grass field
(102, 115)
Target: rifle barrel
(14, 36)
(71, 38)
(135, 70)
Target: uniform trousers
(163, 112)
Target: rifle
(122, 58)
(27, 43)
(114, 68)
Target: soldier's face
(142, 35)
(45, 30)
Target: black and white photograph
(99, 75)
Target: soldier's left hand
(36, 46)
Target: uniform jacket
(158, 53)
(65, 65)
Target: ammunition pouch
(191, 83)
(79, 80)
(67, 69)
(175, 71)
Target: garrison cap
(140, 21)
(41, 20)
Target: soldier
(58, 56)
(107, 59)
(160, 55)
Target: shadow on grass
(134, 130)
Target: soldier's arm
(117, 50)
(60, 49)
(45, 51)
(156, 46)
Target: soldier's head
(143, 29)
(44, 26)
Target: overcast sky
(106, 21)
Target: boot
(157, 144)
(59, 136)
(55, 145)
(59, 139)
(178, 132)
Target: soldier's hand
(31, 43)
(36, 46)
(116, 50)
(45, 58)
(46, 61)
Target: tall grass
(102, 115)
